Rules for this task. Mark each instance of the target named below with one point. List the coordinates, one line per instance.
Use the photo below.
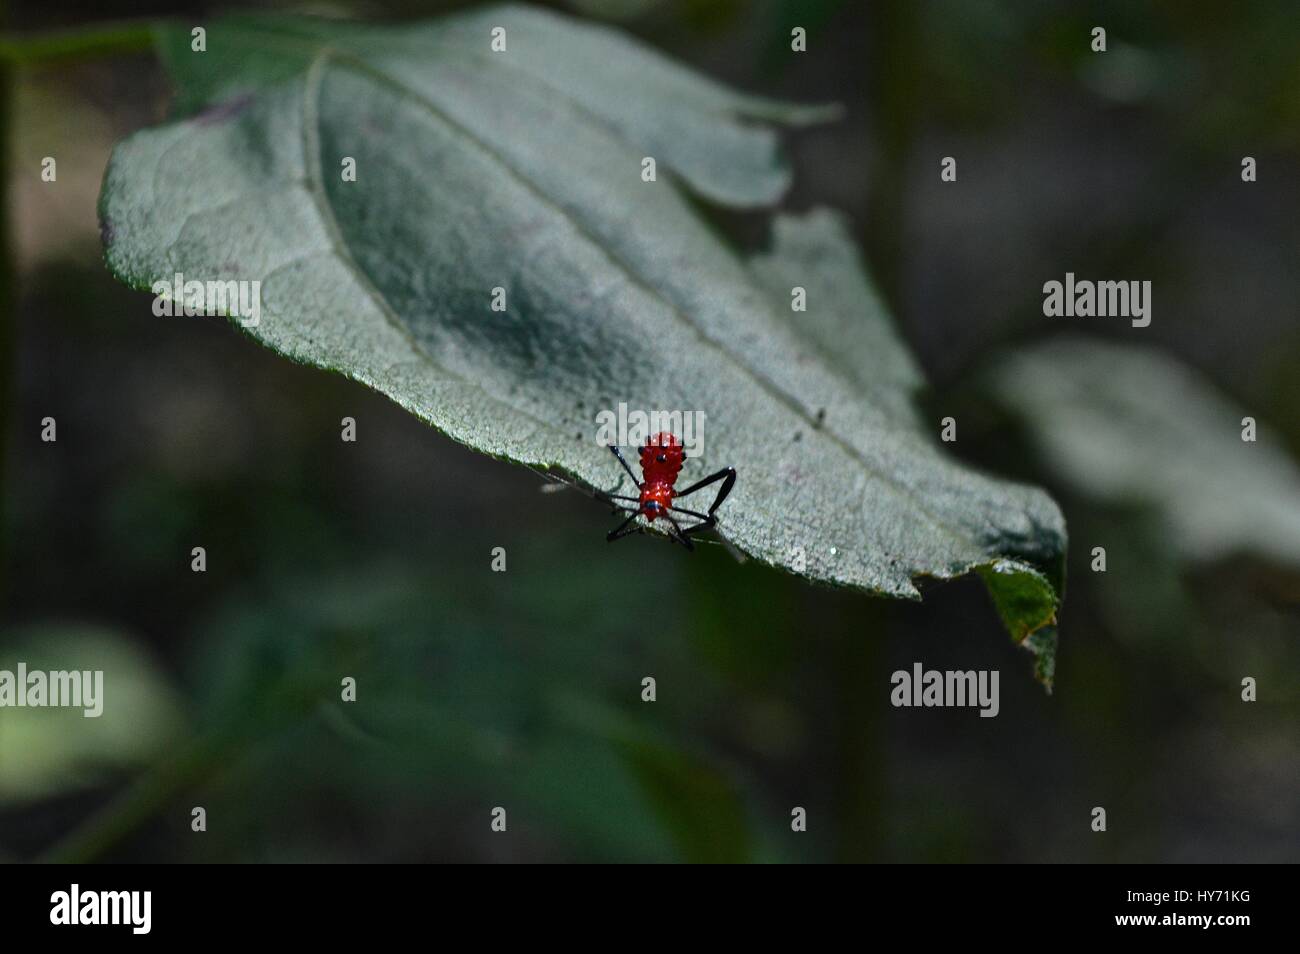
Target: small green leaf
(522, 170)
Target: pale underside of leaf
(471, 178)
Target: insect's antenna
(554, 481)
(622, 460)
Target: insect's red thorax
(661, 461)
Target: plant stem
(189, 765)
(861, 756)
(894, 76)
(17, 51)
(8, 334)
(180, 771)
(108, 39)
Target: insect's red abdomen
(661, 461)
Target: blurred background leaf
(45, 751)
(1131, 426)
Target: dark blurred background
(522, 689)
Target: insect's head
(656, 498)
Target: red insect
(661, 461)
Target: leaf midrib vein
(315, 189)
(350, 60)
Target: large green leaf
(522, 169)
(1127, 426)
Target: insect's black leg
(707, 521)
(677, 534)
(622, 460)
(612, 500)
(728, 477)
(624, 528)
